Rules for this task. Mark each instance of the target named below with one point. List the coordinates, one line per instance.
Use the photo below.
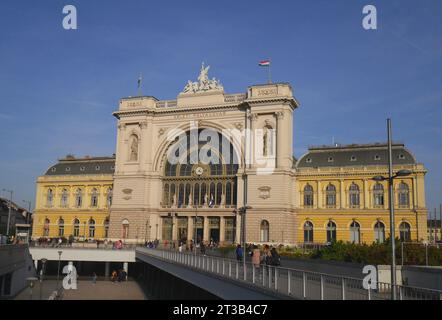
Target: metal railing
(293, 283)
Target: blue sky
(58, 88)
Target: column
(238, 229)
(279, 138)
(206, 229)
(174, 228)
(366, 195)
(126, 268)
(190, 231)
(342, 193)
(107, 269)
(222, 229)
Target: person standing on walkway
(94, 278)
(256, 256)
(239, 252)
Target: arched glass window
(265, 231)
(91, 228)
(219, 192)
(50, 198)
(60, 227)
(76, 228)
(355, 232)
(378, 195)
(228, 194)
(94, 198)
(405, 232)
(330, 196)
(173, 200)
(196, 195)
(78, 198)
(125, 229)
(106, 228)
(308, 232)
(331, 232)
(379, 232)
(187, 194)
(181, 195)
(64, 198)
(308, 196)
(354, 195)
(403, 197)
(46, 227)
(109, 196)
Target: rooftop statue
(204, 83)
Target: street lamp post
(390, 178)
(198, 172)
(9, 210)
(43, 265)
(58, 270)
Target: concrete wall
(424, 277)
(77, 254)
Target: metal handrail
(313, 285)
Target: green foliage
(225, 250)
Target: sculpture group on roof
(204, 83)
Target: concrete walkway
(86, 290)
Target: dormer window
(330, 159)
(377, 157)
(112, 167)
(401, 156)
(82, 168)
(54, 169)
(353, 158)
(68, 169)
(308, 160)
(97, 168)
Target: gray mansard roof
(354, 155)
(82, 166)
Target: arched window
(64, 198)
(76, 228)
(405, 232)
(219, 192)
(265, 231)
(50, 198)
(125, 229)
(181, 195)
(355, 232)
(308, 232)
(331, 232)
(94, 198)
(228, 194)
(46, 227)
(60, 227)
(379, 232)
(330, 196)
(354, 195)
(187, 196)
(196, 194)
(308, 196)
(91, 228)
(106, 228)
(378, 195)
(79, 198)
(109, 196)
(403, 198)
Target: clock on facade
(199, 171)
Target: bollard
(289, 280)
(322, 287)
(304, 280)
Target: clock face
(199, 171)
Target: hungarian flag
(264, 63)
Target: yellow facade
(368, 211)
(60, 213)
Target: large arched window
(308, 232)
(200, 171)
(46, 225)
(78, 198)
(403, 196)
(125, 229)
(64, 198)
(264, 231)
(355, 232)
(331, 232)
(353, 193)
(94, 198)
(379, 232)
(378, 195)
(405, 232)
(60, 227)
(91, 224)
(50, 198)
(308, 196)
(76, 228)
(330, 196)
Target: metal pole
(391, 202)
(402, 253)
(58, 271)
(435, 226)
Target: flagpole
(140, 79)
(270, 74)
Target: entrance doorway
(214, 229)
